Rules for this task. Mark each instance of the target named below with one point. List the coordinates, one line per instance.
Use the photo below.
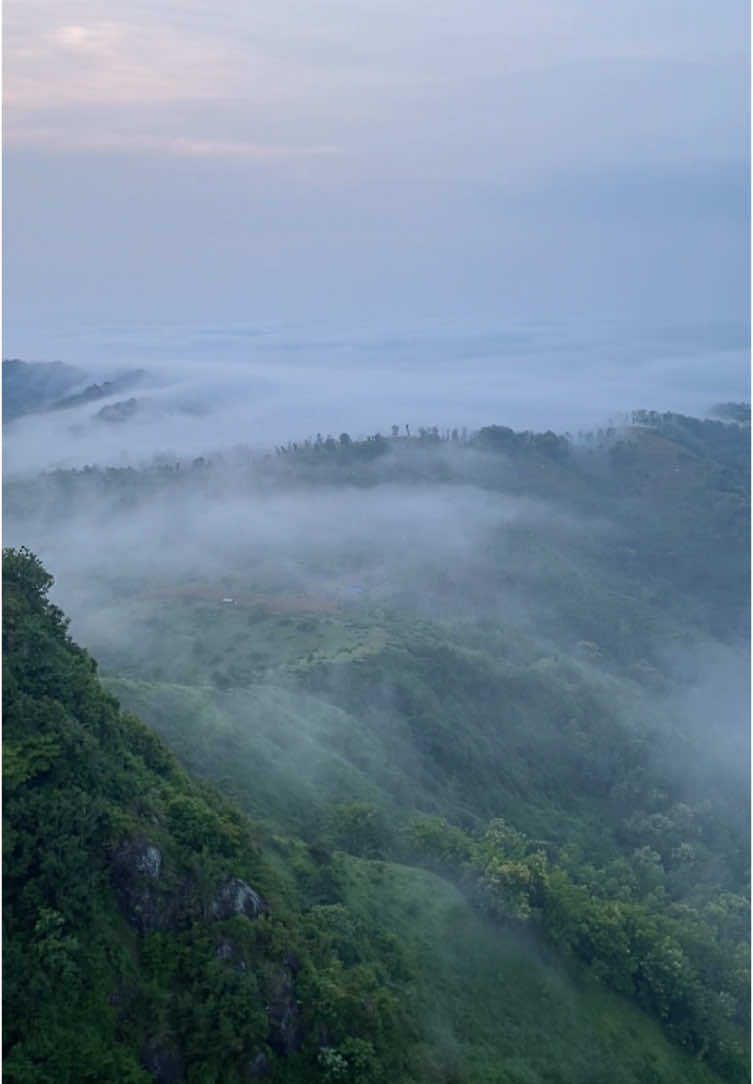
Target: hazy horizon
(346, 217)
(366, 164)
(207, 388)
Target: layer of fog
(266, 386)
(712, 702)
(126, 548)
(437, 548)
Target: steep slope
(153, 933)
(479, 698)
(146, 936)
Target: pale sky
(375, 160)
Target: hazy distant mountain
(31, 386)
(731, 412)
(121, 411)
(93, 392)
(146, 408)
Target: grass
(492, 1006)
(495, 1007)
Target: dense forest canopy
(442, 760)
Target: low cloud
(264, 386)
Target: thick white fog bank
(435, 549)
(308, 542)
(261, 386)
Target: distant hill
(121, 411)
(733, 412)
(95, 392)
(31, 386)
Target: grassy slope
(107, 977)
(492, 1008)
(111, 966)
(283, 710)
(496, 1009)
(464, 722)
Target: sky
(373, 163)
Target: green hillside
(136, 946)
(453, 788)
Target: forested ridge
(135, 948)
(467, 824)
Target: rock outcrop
(136, 873)
(235, 897)
(285, 1023)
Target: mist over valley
(376, 569)
(131, 394)
(512, 661)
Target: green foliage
(474, 837)
(24, 760)
(356, 827)
(113, 863)
(433, 841)
(636, 947)
(353, 1061)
